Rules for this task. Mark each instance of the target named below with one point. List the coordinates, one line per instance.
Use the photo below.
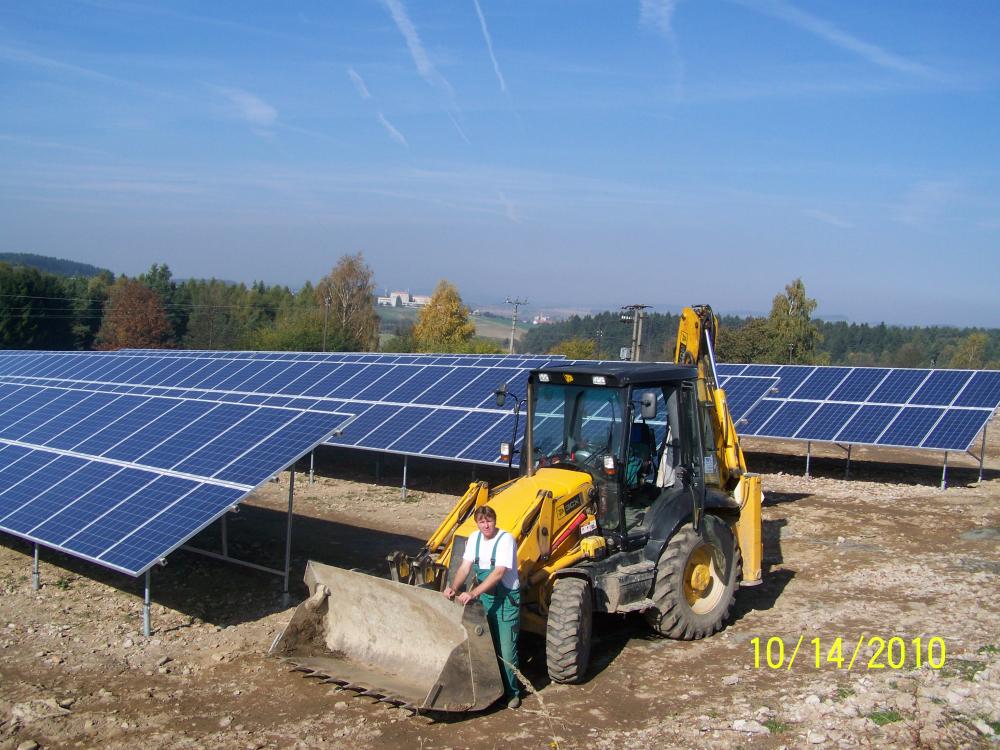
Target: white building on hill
(403, 299)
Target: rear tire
(692, 597)
(568, 630)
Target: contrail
(489, 46)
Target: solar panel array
(431, 405)
(905, 408)
(121, 475)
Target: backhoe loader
(633, 497)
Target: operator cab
(633, 427)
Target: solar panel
(904, 408)
(122, 479)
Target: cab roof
(619, 373)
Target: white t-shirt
(506, 554)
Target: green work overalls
(503, 612)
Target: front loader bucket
(396, 642)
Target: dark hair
(485, 511)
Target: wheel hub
(700, 578)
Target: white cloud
(391, 130)
(925, 203)
(409, 32)
(249, 107)
(359, 83)
(510, 210)
(828, 218)
(489, 46)
(658, 14)
(831, 33)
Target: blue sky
(580, 154)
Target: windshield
(576, 424)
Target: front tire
(568, 630)
(692, 597)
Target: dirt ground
(884, 554)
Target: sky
(581, 155)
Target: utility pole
(598, 336)
(635, 314)
(516, 302)
(326, 317)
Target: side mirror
(648, 405)
(501, 394)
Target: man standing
(491, 554)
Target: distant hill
(57, 266)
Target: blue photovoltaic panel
(867, 424)
(486, 448)
(981, 391)
(424, 432)
(393, 427)
(751, 422)
(859, 384)
(957, 427)
(743, 392)
(789, 417)
(910, 426)
(898, 386)
(941, 387)
(762, 371)
(367, 420)
(820, 383)
(827, 421)
(462, 434)
(724, 370)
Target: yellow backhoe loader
(633, 497)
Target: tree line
(789, 334)
(41, 310)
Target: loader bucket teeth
(397, 643)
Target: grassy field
(486, 326)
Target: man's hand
(448, 593)
(465, 597)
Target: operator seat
(642, 443)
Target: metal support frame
(288, 536)
(847, 469)
(225, 536)
(944, 472)
(808, 457)
(36, 578)
(146, 629)
(405, 463)
(982, 455)
(312, 464)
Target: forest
(82, 307)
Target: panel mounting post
(944, 472)
(405, 464)
(808, 456)
(288, 537)
(146, 629)
(847, 469)
(225, 535)
(36, 578)
(982, 455)
(312, 463)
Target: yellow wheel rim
(703, 585)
